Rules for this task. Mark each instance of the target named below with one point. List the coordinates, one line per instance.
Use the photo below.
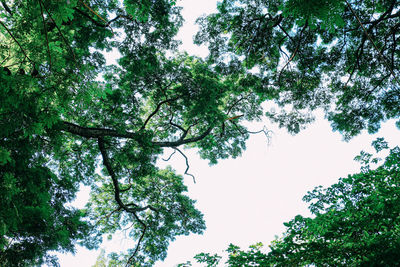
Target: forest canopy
(67, 118)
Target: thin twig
(293, 54)
(234, 117)
(91, 10)
(45, 33)
(107, 24)
(62, 35)
(263, 130)
(170, 156)
(187, 164)
(140, 239)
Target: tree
(65, 113)
(60, 121)
(340, 55)
(355, 222)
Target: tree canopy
(69, 118)
(339, 55)
(60, 121)
(355, 222)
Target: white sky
(246, 200)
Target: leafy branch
(15, 40)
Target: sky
(247, 200)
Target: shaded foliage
(342, 56)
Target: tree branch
(62, 35)
(91, 10)
(293, 54)
(15, 40)
(45, 33)
(107, 164)
(184, 141)
(89, 17)
(170, 156)
(187, 163)
(156, 110)
(117, 190)
(94, 132)
(6, 7)
(102, 132)
(128, 263)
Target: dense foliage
(341, 55)
(355, 222)
(60, 121)
(68, 118)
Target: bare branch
(263, 130)
(170, 156)
(140, 240)
(45, 33)
(293, 54)
(187, 164)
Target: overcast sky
(246, 200)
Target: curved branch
(140, 240)
(236, 102)
(263, 130)
(117, 190)
(107, 164)
(179, 127)
(187, 163)
(156, 110)
(90, 18)
(170, 156)
(91, 10)
(293, 54)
